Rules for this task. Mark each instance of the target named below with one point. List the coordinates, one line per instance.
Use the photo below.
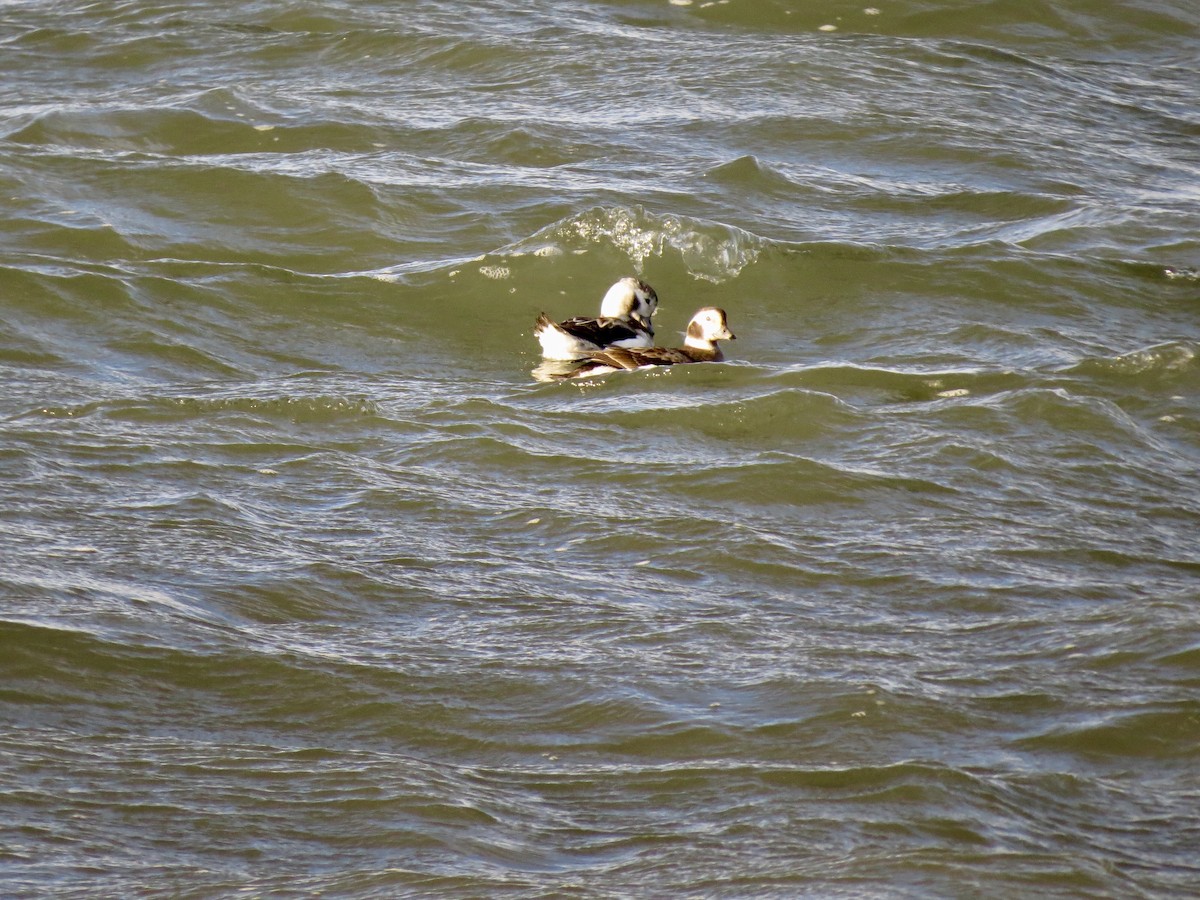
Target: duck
(708, 326)
(624, 321)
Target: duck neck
(699, 348)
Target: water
(309, 588)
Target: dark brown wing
(602, 331)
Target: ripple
(296, 409)
(299, 565)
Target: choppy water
(308, 588)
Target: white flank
(558, 344)
(640, 340)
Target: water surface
(306, 586)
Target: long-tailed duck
(708, 326)
(624, 321)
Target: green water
(307, 587)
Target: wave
(708, 250)
(294, 409)
(631, 239)
(1166, 733)
(1170, 359)
(1011, 21)
(893, 385)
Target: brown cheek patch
(695, 331)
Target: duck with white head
(624, 321)
(707, 327)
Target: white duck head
(630, 300)
(708, 326)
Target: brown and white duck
(707, 327)
(624, 321)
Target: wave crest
(709, 250)
(1168, 358)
